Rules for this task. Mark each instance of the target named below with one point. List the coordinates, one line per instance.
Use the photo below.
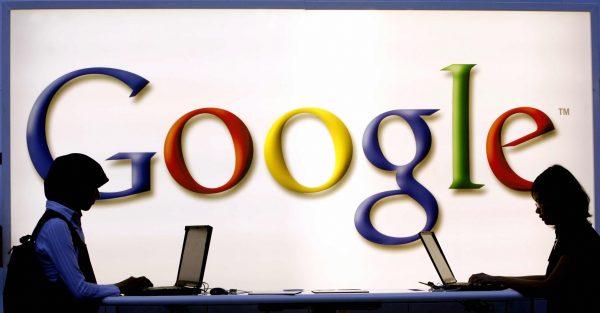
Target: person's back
(34, 272)
(63, 257)
(578, 291)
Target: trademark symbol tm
(563, 111)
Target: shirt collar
(71, 215)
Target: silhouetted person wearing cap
(71, 187)
(571, 282)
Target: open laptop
(191, 264)
(443, 268)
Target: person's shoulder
(594, 237)
(589, 233)
(54, 226)
(586, 242)
(580, 232)
(576, 239)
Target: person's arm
(530, 277)
(538, 285)
(543, 286)
(55, 239)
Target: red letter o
(242, 143)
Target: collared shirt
(58, 256)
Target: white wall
(260, 64)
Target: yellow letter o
(342, 144)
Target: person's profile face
(87, 198)
(546, 212)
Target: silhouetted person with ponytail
(69, 283)
(572, 278)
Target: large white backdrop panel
(260, 64)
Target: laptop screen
(437, 257)
(193, 256)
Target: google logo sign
(274, 157)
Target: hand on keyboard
(482, 287)
(133, 284)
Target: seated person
(571, 281)
(71, 187)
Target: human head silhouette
(560, 198)
(73, 181)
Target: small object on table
(286, 292)
(350, 290)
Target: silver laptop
(191, 264)
(443, 268)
